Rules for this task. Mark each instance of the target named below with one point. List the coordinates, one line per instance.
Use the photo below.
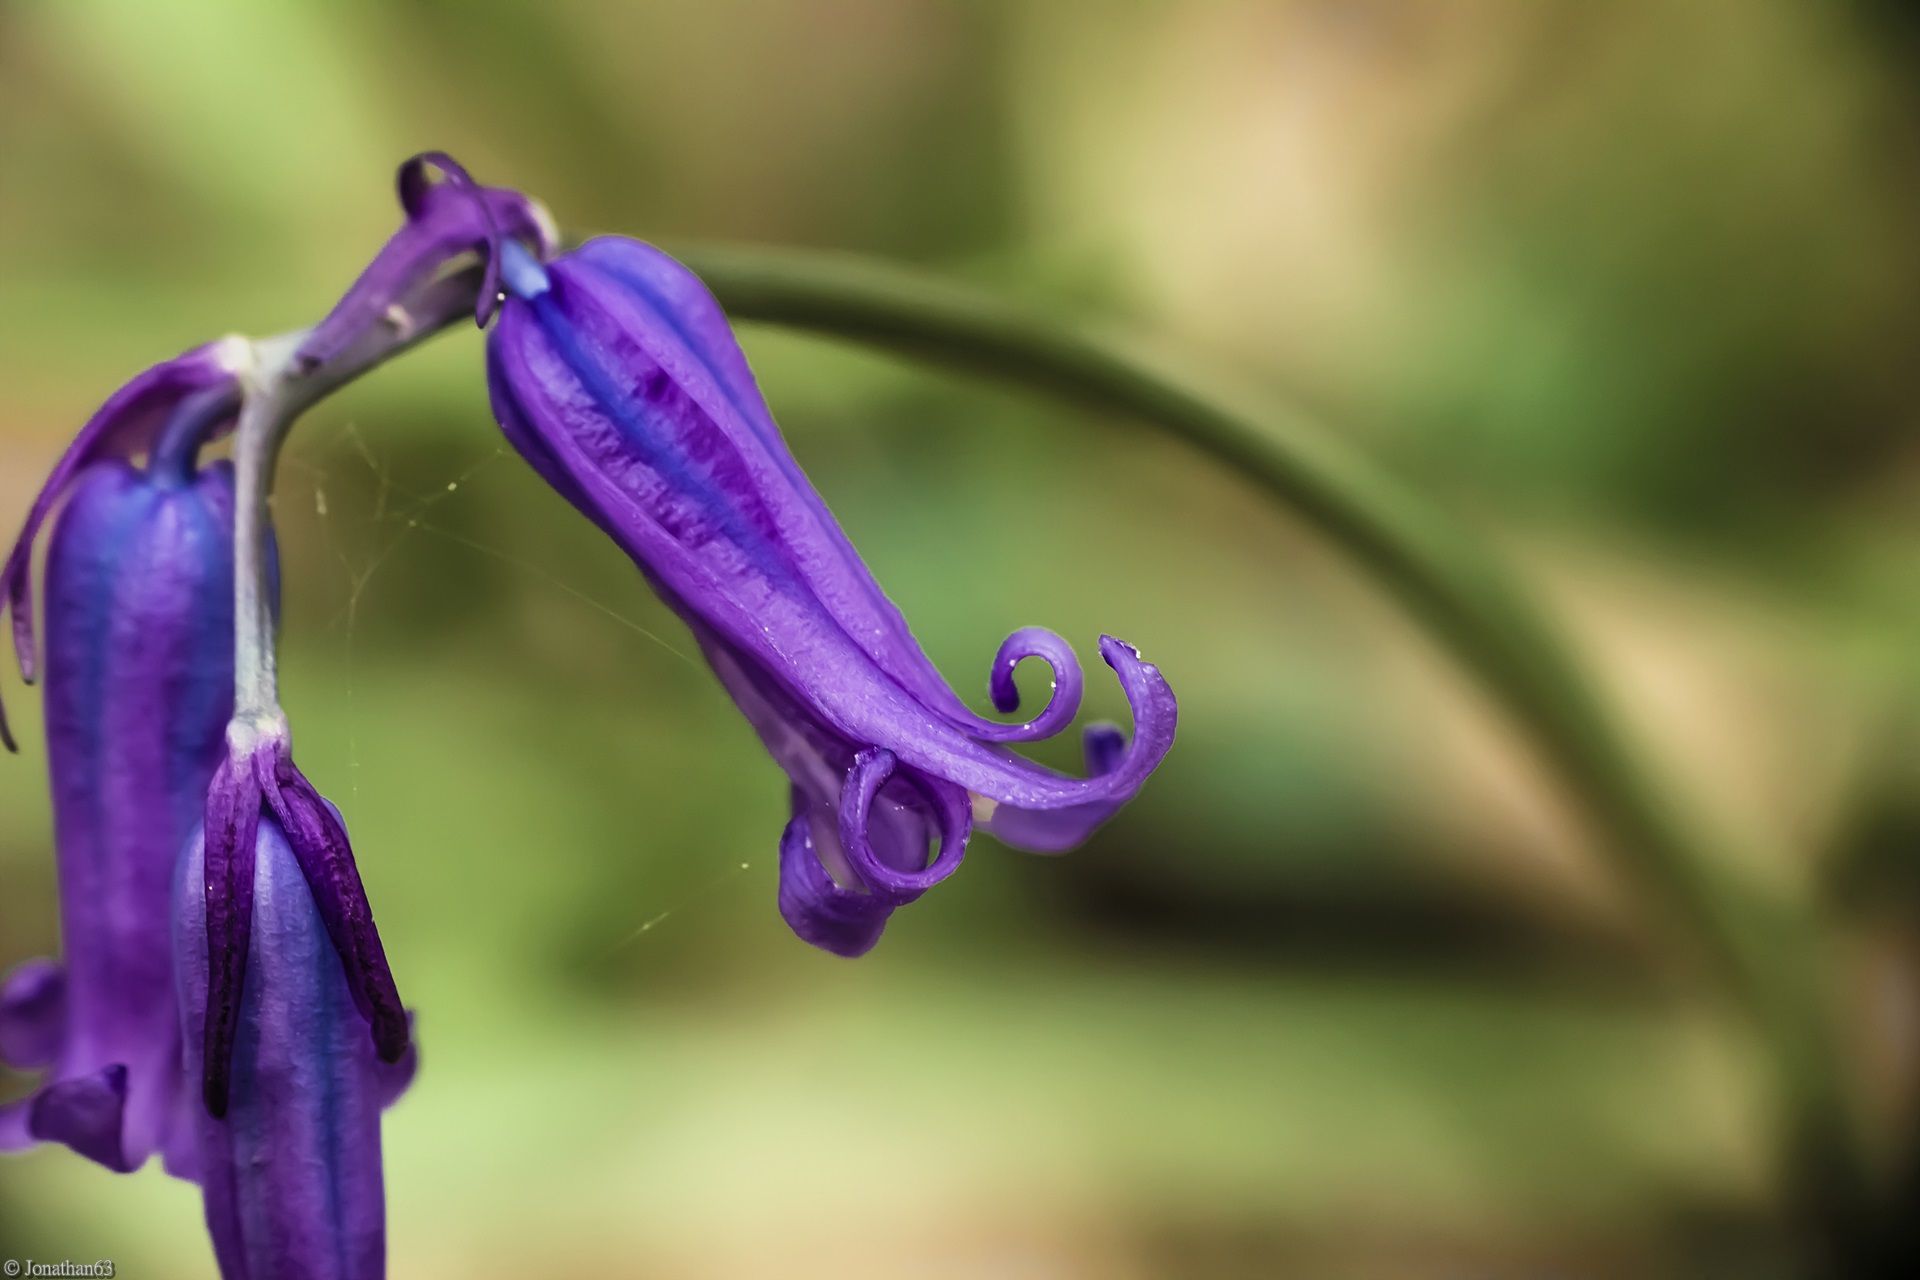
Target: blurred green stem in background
(1768, 947)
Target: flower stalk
(277, 387)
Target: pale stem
(275, 391)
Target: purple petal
(232, 825)
(392, 1079)
(1062, 706)
(871, 771)
(613, 371)
(319, 841)
(33, 1014)
(845, 921)
(86, 1113)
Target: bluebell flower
(139, 688)
(615, 374)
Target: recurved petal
(895, 869)
(847, 922)
(291, 1176)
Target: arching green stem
(1767, 947)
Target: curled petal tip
(821, 913)
(1006, 695)
(872, 769)
(1063, 702)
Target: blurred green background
(1633, 288)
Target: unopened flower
(139, 687)
(615, 374)
(290, 1166)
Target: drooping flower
(139, 687)
(615, 374)
(290, 1169)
